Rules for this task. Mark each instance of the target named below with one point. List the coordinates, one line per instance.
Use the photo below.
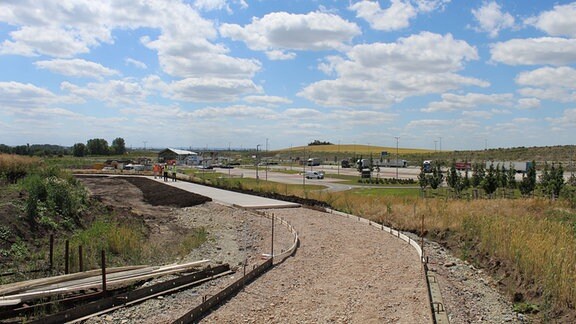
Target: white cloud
(301, 113)
(113, 92)
(362, 117)
(267, 100)
(237, 111)
(477, 114)
(280, 31)
(68, 28)
(431, 5)
(204, 89)
(76, 68)
(135, 63)
(51, 41)
(529, 103)
(568, 119)
(530, 51)
(16, 95)
(210, 5)
(433, 123)
(380, 74)
(453, 102)
(398, 15)
(395, 17)
(276, 55)
(558, 84)
(557, 22)
(491, 19)
(523, 120)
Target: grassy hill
(566, 154)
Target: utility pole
(397, 138)
(257, 146)
(266, 160)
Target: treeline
(318, 142)
(99, 146)
(95, 146)
(551, 181)
(35, 150)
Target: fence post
(103, 273)
(272, 245)
(66, 257)
(80, 261)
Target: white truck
(313, 162)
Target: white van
(314, 175)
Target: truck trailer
(519, 167)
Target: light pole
(397, 138)
(338, 158)
(266, 160)
(257, 146)
(440, 144)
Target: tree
(490, 182)
(422, 178)
(118, 146)
(453, 178)
(511, 177)
(466, 180)
(97, 146)
(478, 174)
(318, 142)
(552, 179)
(79, 150)
(437, 177)
(502, 177)
(528, 183)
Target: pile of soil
(158, 194)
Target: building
(182, 157)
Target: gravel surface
(469, 294)
(343, 272)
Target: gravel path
(343, 272)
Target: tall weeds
(535, 236)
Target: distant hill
(566, 154)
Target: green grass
(386, 192)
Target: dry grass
(535, 236)
(14, 167)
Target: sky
(446, 74)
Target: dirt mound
(158, 194)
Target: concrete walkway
(230, 197)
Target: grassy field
(356, 149)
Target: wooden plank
(29, 284)
(116, 280)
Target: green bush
(53, 199)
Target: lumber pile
(16, 293)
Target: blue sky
(219, 73)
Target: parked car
(314, 175)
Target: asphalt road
(270, 174)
